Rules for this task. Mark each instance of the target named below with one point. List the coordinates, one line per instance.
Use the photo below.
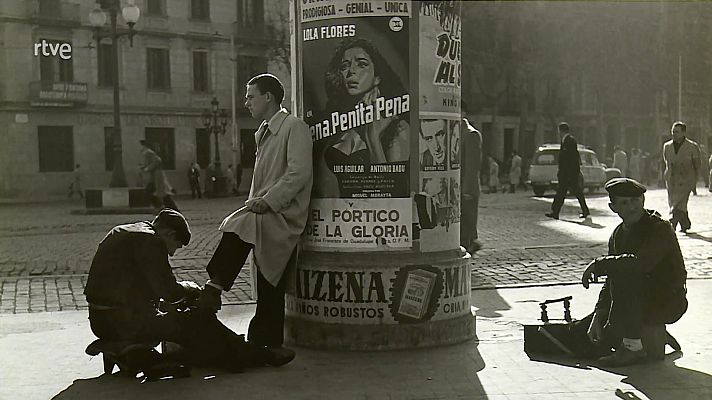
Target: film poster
(356, 101)
(437, 201)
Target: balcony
(58, 94)
(54, 13)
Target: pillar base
(379, 337)
(379, 301)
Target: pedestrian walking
(682, 164)
(569, 174)
(273, 218)
(515, 171)
(493, 180)
(194, 180)
(158, 189)
(620, 160)
(76, 185)
(470, 162)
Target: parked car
(545, 165)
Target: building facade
(56, 88)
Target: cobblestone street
(45, 251)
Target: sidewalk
(45, 252)
(43, 358)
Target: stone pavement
(45, 251)
(43, 358)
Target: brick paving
(45, 251)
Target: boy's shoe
(622, 357)
(552, 215)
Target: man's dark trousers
(267, 326)
(566, 185)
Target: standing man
(515, 171)
(470, 162)
(194, 180)
(274, 215)
(620, 160)
(682, 165)
(76, 185)
(569, 175)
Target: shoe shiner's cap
(173, 219)
(624, 187)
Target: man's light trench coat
(283, 178)
(680, 172)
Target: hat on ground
(174, 220)
(624, 187)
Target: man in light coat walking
(273, 218)
(682, 166)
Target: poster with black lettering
(380, 295)
(377, 224)
(440, 55)
(356, 98)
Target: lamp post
(215, 121)
(97, 18)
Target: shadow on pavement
(584, 222)
(446, 372)
(657, 380)
(489, 303)
(697, 236)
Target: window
(158, 68)
(56, 69)
(200, 9)
(108, 149)
(250, 14)
(247, 67)
(547, 158)
(201, 80)
(56, 148)
(162, 141)
(202, 147)
(155, 7)
(105, 64)
(50, 8)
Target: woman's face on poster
(358, 71)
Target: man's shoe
(278, 356)
(622, 357)
(552, 215)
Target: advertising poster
(437, 200)
(440, 55)
(411, 294)
(377, 224)
(356, 101)
(356, 98)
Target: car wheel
(538, 190)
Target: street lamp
(97, 18)
(215, 121)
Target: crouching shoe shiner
(645, 284)
(135, 303)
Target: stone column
(378, 83)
